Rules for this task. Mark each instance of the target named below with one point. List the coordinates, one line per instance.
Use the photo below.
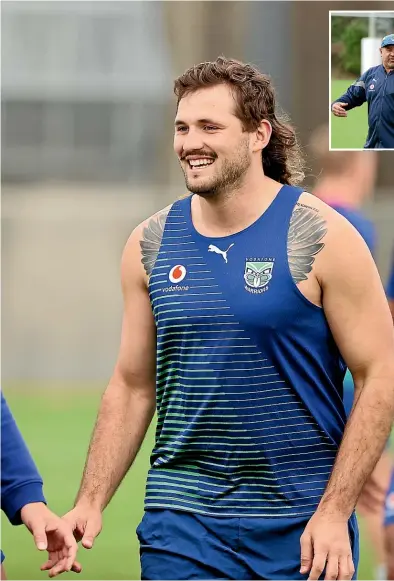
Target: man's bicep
(355, 305)
(137, 353)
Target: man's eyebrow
(200, 121)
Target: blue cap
(387, 40)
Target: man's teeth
(200, 162)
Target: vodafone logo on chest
(177, 273)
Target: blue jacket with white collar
(376, 87)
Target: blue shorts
(182, 545)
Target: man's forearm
(365, 436)
(122, 422)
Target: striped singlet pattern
(233, 437)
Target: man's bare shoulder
(331, 239)
(144, 242)
(339, 229)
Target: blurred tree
(350, 56)
(338, 27)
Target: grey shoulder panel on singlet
(306, 231)
(152, 235)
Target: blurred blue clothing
(390, 284)
(362, 224)
(389, 507)
(21, 482)
(376, 87)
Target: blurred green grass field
(57, 425)
(348, 132)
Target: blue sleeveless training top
(249, 378)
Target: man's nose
(193, 141)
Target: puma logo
(213, 248)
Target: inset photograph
(361, 80)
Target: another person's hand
(389, 542)
(338, 109)
(325, 544)
(86, 523)
(51, 533)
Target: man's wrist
(32, 508)
(90, 503)
(334, 507)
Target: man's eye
(181, 129)
(211, 127)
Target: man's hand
(86, 523)
(325, 544)
(389, 541)
(338, 109)
(52, 534)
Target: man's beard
(389, 64)
(231, 175)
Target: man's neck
(231, 212)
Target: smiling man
(376, 87)
(242, 303)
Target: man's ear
(262, 135)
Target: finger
(318, 564)
(47, 565)
(344, 567)
(54, 558)
(70, 550)
(332, 568)
(76, 567)
(351, 566)
(343, 104)
(91, 532)
(306, 553)
(79, 529)
(60, 567)
(39, 534)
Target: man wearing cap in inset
(376, 87)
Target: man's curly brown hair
(254, 98)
